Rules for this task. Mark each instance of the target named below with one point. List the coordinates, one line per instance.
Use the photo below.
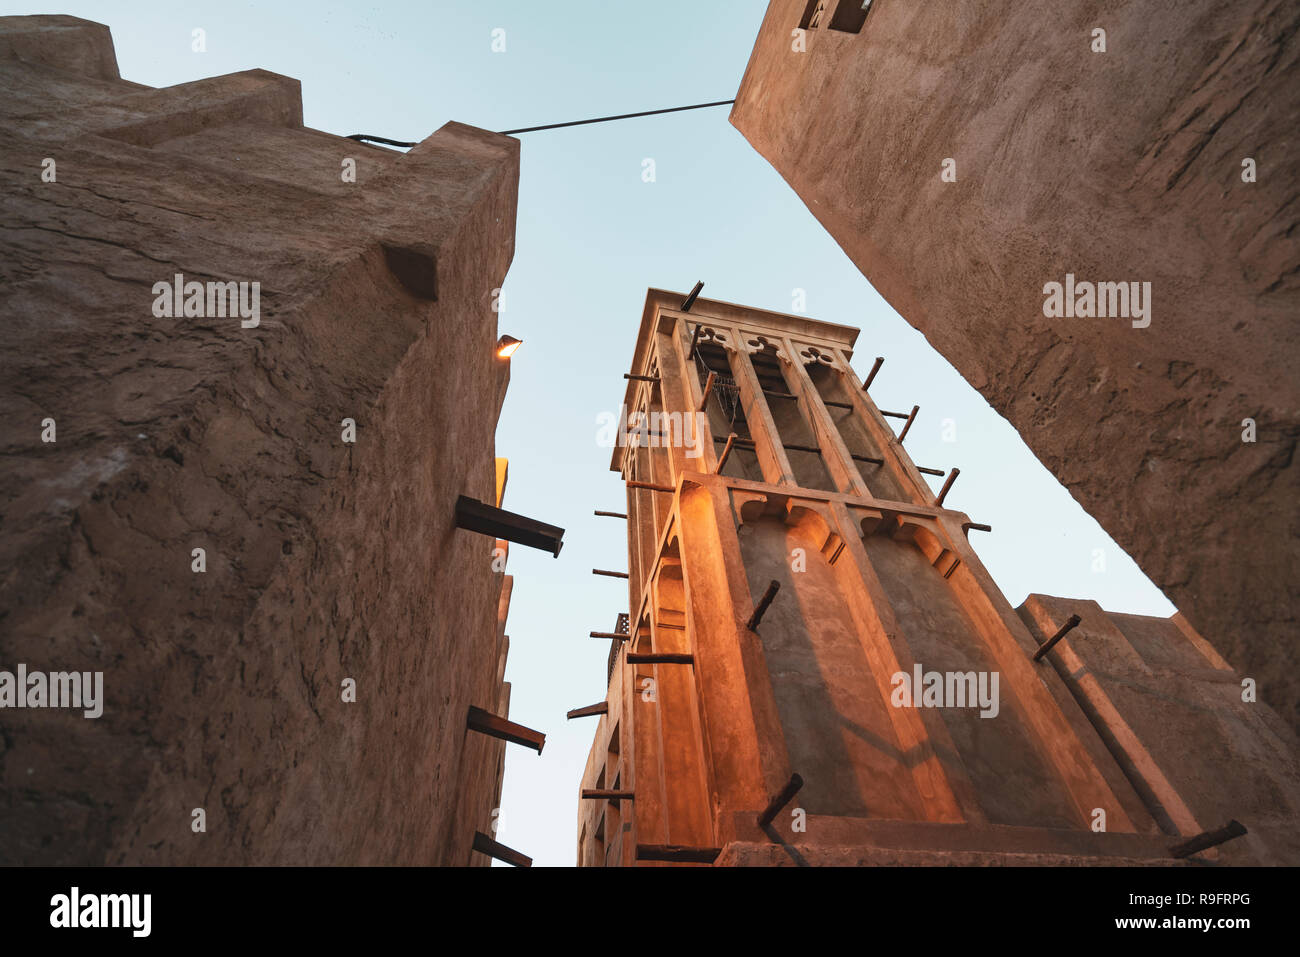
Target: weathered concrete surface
(1173, 714)
(325, 561)
(1116, 166)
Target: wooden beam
(1209, 839)
(726, 450)
(677, 854)
(485, 722)
(662, 658)
(708, 387)
(761, 608)
(781, 800)
(632, 483)
(943, 492)
(908, 424)
(612, 514)
(485, 845)
(880, 360)
(690, 300)
(475, 516)
(610, 634)
(605, 794)
(600, 707)
(608, 574)
(1064, 630)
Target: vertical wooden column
(897, 461)
(843, 470)
(767, 441)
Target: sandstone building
(966, 154)
(781, 580)
(136, 434)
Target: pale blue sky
(591, 237)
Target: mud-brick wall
(1127, 165)
(325, 560)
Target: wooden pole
(726, 450)
(781, 800)
(708, 387)
(600, 707)
(677, 854)
(485, 722)
(1065, 629)
(651, 486)
(485, 845)
(908, 424)
(1209, 839)
(880, 360)
(695, 340)
(601, 571)
(943, 492)
(773, 587)
(663, 658)
(690, 300)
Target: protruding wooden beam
(976, 527)
(781, 800)
(600, 707)
(726, 450)
(761, 608)
(943, 492)
(485, 722)
(925, 471)
(617, 636)
(708, 387)
(677, 853)
(695, 341)
(659, 658)
(605, 794)
(651, 486)
(608, 574)
(894, 415)
(1209, 839)
(880, 361)
(640, 378)
(908, 424)
(612, 514)
(1064, 630)
(690, 300)
(475, 516)
(485, 845)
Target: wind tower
(786, 561)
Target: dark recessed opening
(850, 15)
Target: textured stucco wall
(325, 561)
(1116, 166)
